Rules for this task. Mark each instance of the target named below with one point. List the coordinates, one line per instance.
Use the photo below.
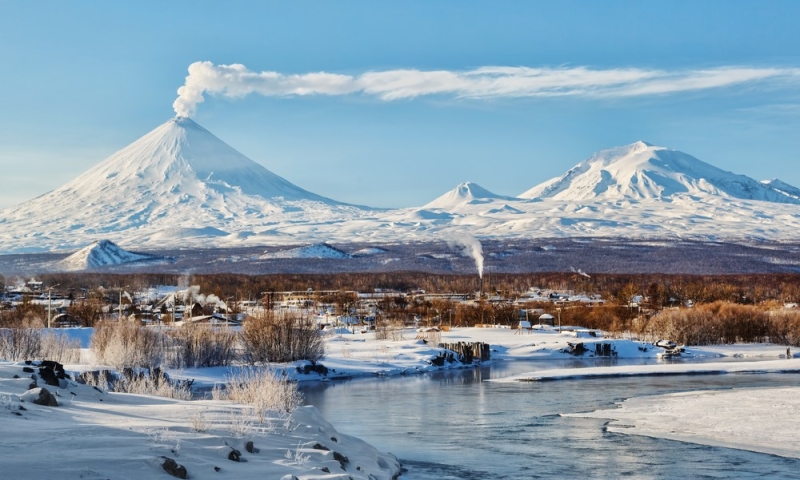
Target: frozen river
(454, 425)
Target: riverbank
(359, 355)
(354, 355)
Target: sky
(391, 104)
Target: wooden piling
(468, 352)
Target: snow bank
(766, 366)
(757, 419)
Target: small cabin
(547, 319)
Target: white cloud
(486, 82)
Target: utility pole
(49, 303)
(120, 301)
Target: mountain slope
(783, 187)
(642, 171)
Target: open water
(455, 425)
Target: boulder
(173, 468)
(49, 376)
(40, 396)
(234, 455)
(343, 460)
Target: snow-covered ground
(92, 435)
(726, 418)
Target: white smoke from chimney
(580, 272)
(471, 247)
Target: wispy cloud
(486, 82)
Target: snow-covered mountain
(100, 254)
(179, 186)
(783, 187)
(642, 171)
(177, 182)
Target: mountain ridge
(179, 186)
(645, 171)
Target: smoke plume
(580, 272)
(471, 247)
(236, 81)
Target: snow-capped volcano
(176, 182)
(642, 171)
(182, 160)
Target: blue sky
(82, 80)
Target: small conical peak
(472, 189)
(465, 188)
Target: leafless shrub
(199, 423)
(386, 330)
(127, 344)
(28, 341)
(240, 423)
(785, 327)
(144, 384)
(263, 390)
(59, 347)
(715, 323)
(271, 337)
(203, 346)
(17, 344)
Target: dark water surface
(455, 425)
